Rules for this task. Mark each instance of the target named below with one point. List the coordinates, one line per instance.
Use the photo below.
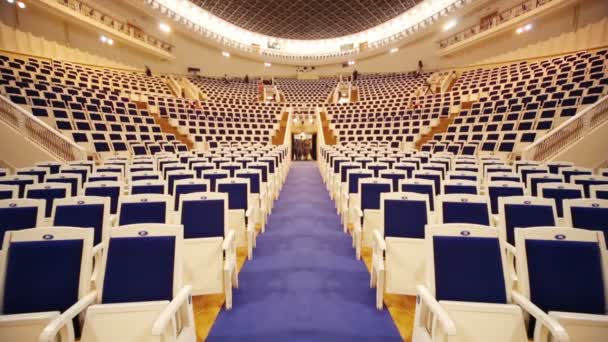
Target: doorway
(304, 146)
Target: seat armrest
(52, 329)
(248, 212)
(379, 243)
(442, 316)
(557, 330)
(358, 212)
(168, 314)
(228, 242)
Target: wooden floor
(206, 308)
(402, 308)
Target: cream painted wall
(192, 52)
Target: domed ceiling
(306, 19)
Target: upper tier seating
(219, 89)
(306, 91)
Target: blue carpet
(304, 283)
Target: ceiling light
(110, 41)
(103, 39)
(351, 63)
(519, 30)
(20, 4)
(267, 64)
(450, 25)
(225, 54)
(528, 27)
(164, 27)
(393, 50)
(11, 1)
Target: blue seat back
(353, 181)
(237, 194)
(459, 189)
(213, 223)
(254, 181)
(370, 194)
(586, 183)
(395, 178)
(421, 189)
(49, 195)
(264, 170)
(172, 178)
(142, 212)
(559, 195)
(111, 192)
(504, 191)
(148, 189)
(534, 183)
(435, 178)
(73, 182)
(590, 218)
(200, 168)
(468, 269)
(81, 215)
(21, 183)
(182, 189)
(17, 218)
(146, 275)
(53, 263)
(524, 216)
(566, 276)
(465, 212)
(405, 218)
(213, 177)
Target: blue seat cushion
(139, 277)
(468, 269)
(142, 212)
(203, 219)
(405, 218)
(524, 216)
(565, 276)
(51, 278)
(84, 215)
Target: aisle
(304, 283)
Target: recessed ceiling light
(110, 41)
(351, 62)
(450, 25)
(103, 39)
(11, 1)
(226, 54)
(267, 64)
(393, 50)
(519, 30)
(528, 27)
(20, 4)
(164, 27)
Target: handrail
(39, 132)
(499, 19)
(568, 132)
(113, 23)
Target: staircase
(330, 139)
(165, 126)
(279, 136)
(442, 127)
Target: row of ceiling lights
(19, 4)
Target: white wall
(192, 52)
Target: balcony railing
(500, 18)
(113, 23)
(39, 132)
(569, 132)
